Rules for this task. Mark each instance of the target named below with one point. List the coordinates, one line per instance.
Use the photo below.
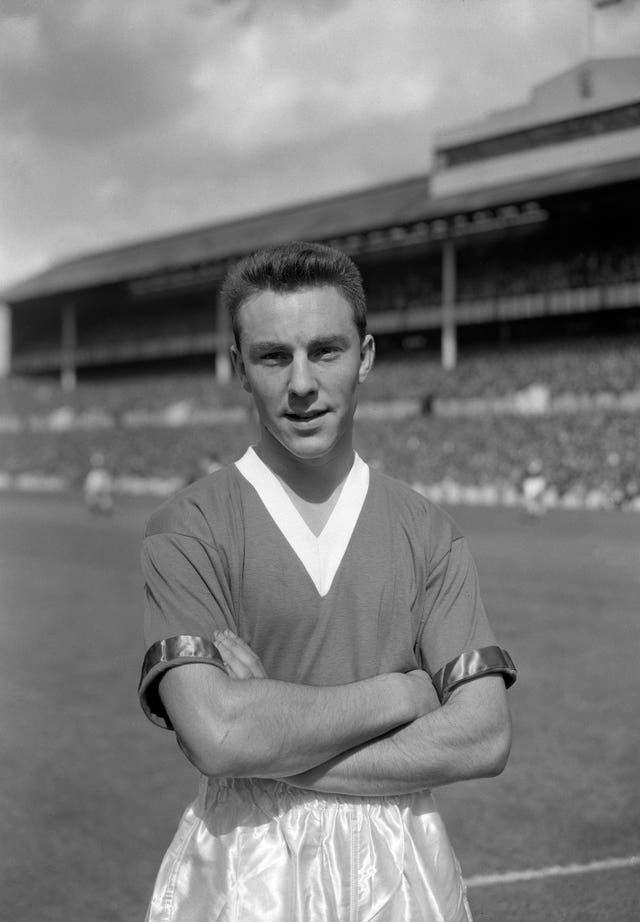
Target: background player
(98, 486)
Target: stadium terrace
(523, 229)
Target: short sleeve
(186, 600)
(456, 642)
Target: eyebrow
(258, 349)
(337, 339)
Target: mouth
(310, 416)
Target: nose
(301, 381)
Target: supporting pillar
(449, 338)
(223, 366)
(69, 342)
(223, 329)
(5, 341)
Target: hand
(239, 659)
(423, 692)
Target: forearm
(276, 725)
(266, 728)
(467, 738)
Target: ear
(238, 366)
(367, 356)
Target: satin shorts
(249, 850)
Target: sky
(128, 119)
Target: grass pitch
(90, 792)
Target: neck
(314, 480)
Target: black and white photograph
(319, 461)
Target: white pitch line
(510, 877)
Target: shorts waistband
(281, 796)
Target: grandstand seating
(588, 367)
(579, 454)
(580, 451)
(510, 269)
(591, 366)
(116, 395)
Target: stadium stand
(155, 428)
(504, 293)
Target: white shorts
(249, 850)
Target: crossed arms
(379, 736)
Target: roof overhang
(348, 220)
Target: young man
(335, 660)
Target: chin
(310, 449)
(312, 446)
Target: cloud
(616, 29)
(128, 118)
(91, 70)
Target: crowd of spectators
(590, 366)
(579, 456)
(579, 452)
(158, 452)
(545, 270)
(509, 270)
(117, 395)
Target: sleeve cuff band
(166, 654)
(474, 665)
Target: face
(302, 360)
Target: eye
(274, 358)
(327, 351)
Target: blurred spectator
(98, 486)
(207, 463)
(534, 486)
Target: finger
(239, 659)
(243, 654)
(233, 664)
(234, 667)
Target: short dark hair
(289, 267)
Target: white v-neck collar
(321, 554)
